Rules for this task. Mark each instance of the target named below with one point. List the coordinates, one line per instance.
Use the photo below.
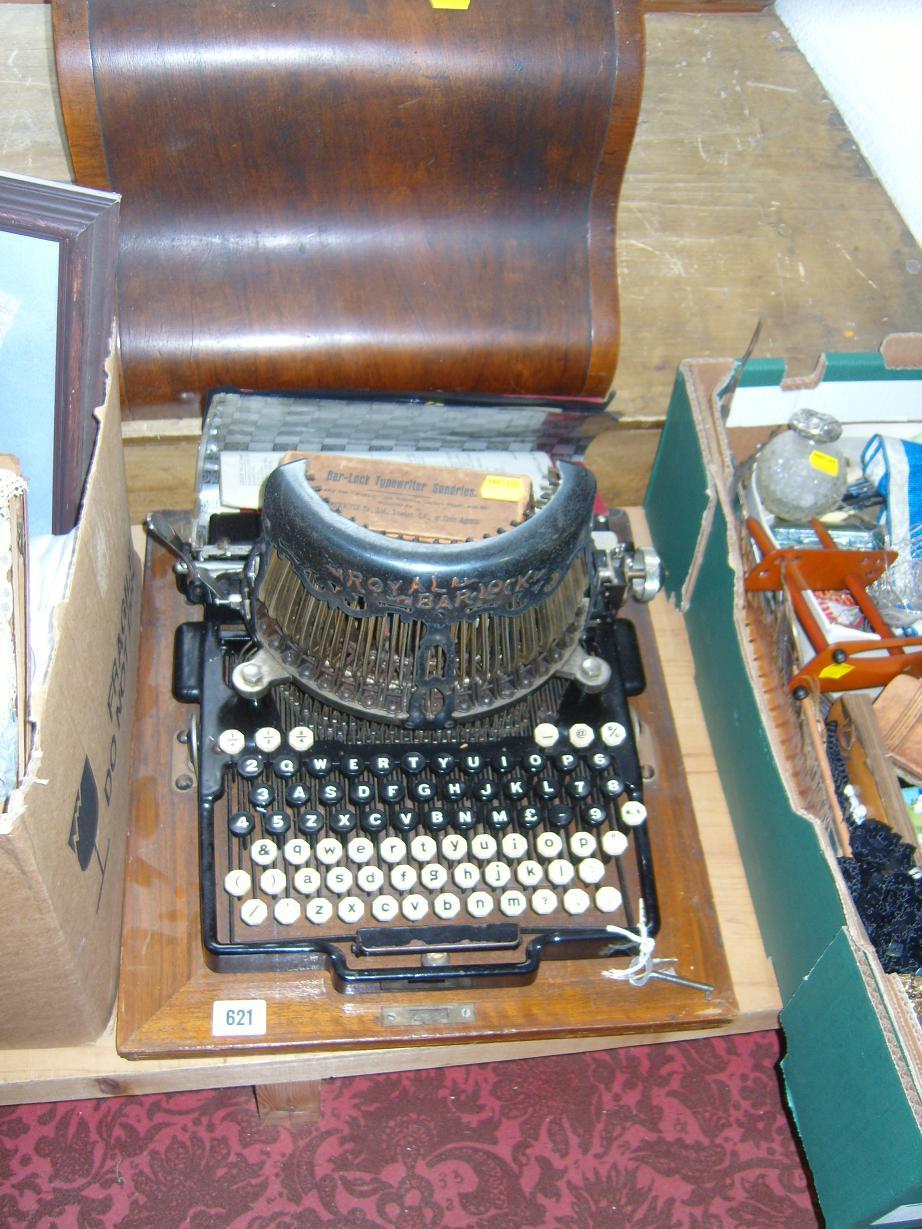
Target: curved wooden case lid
(357, 194)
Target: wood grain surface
(745, 197)
(705, 6)
(363, 197)
(166, 992)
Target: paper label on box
(238, 1018)
(450, 4)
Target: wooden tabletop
(96, 1069)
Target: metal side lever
(222, 588)
(663, 969)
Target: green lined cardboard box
(853, 1065)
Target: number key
(250, 765)
(241, 823)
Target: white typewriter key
(350, 909)
(483, 846)
(329, 851)
(614, 843)
(545, 734)
(423, 847)
(576, 900)
(544, 900)
(480, 904)
(300, 738)
(591, 870)
(264, 853)
(613, 733)
(360, 849)
(403, 877)
(296, 852)
(237, 883)
(560, 872)
(340, 880)
(370, 878)
(454, 848)
(286, 911)
(497, 874)
(580, 734)
(529, 873)
(633, 814)
(512, 903)
(272, 882)
(318, 910)
(267, 739)
(433, 876)
(414, 907)
(231, 742)
(393, 850)
(306, 880)
(446, 906)
(254, 912)
(514, 845)
(582, 844)
(384, 908)
(549, 844)
(608, 899)
(466, 875)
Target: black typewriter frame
(199, 678)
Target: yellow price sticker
(502, 486)
(825, 463)
(450, 4)
(836, 672)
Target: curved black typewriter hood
(366, 572)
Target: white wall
(868, 55)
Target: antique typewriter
(416, 760)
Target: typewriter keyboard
(315, 840)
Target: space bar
(384, 941)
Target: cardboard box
(63, 834)
(853, 1066)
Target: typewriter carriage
(418, 633)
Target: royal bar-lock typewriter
(415, 755)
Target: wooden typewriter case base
(167, 992)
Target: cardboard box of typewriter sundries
(853, 1066)
(63, 833)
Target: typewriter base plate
(167, 993)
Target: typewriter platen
(415, 755)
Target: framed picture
(58, 246)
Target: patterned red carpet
(657, 1137)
